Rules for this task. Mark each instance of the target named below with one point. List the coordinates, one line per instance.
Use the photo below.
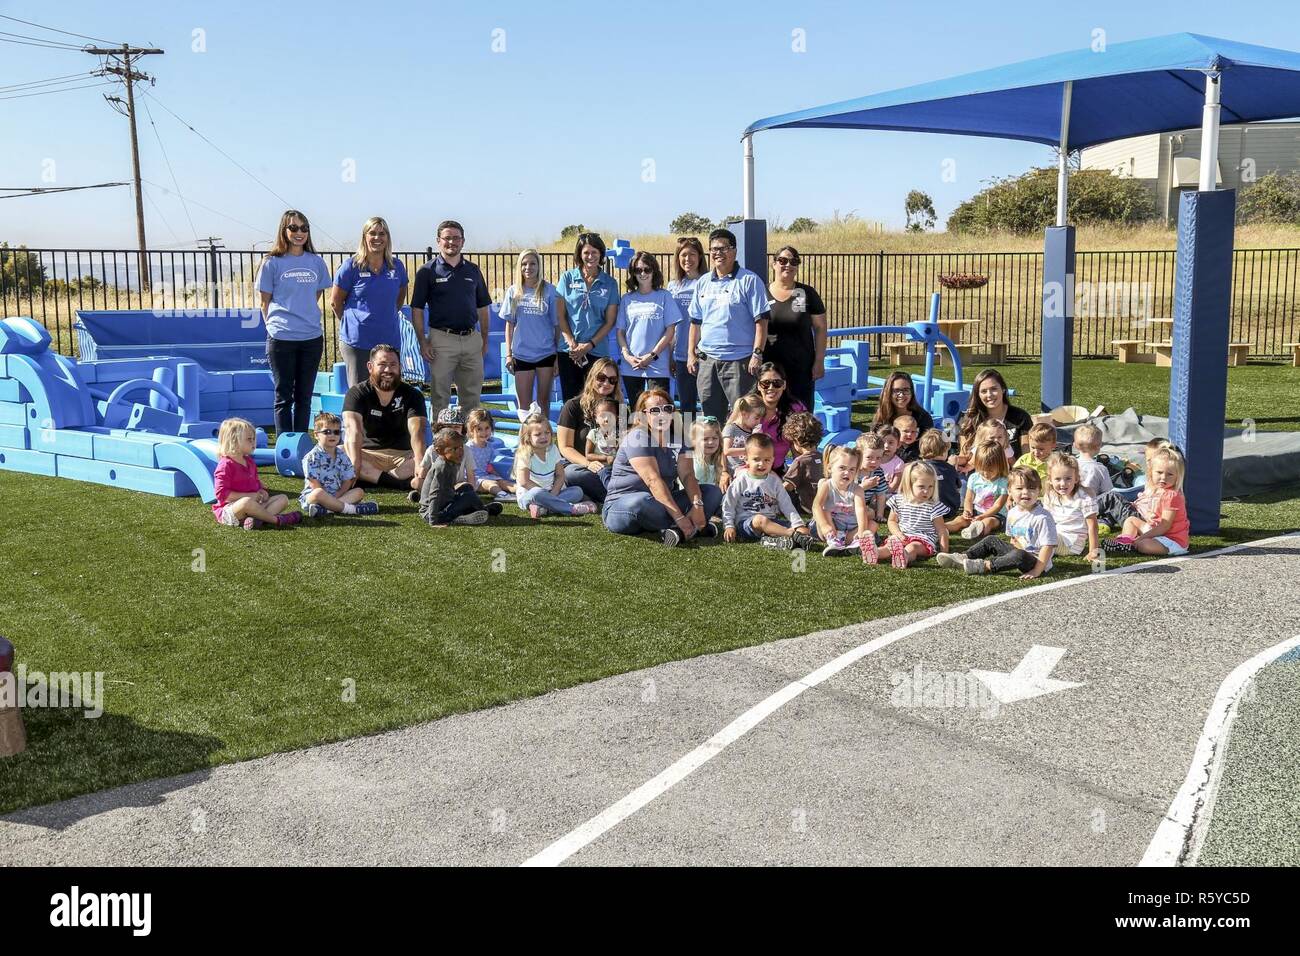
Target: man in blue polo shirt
(728, 313)
(455, 339)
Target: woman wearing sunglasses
(898, 397)
(589, 297)
(652, 484)
(291, 282)
(778, 405)
(687, 266)
(577, 418)
(648, 319)
(796, 333)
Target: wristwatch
(758, 353)
(697, 502)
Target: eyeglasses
(607, 379)
(297, 228)
(660, 409)
(451, 239)
(900, 391)
(720, 250)
(771, 383)
(786, 261)
(644, 271)
(330, 431)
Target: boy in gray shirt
(443, 500)
(756, 500)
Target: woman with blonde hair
(530, 311)
(369, 289)
(577, 419)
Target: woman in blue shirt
(687, 266)
(647, 319)
(290, 282)
(590, 299)
(369, 289)
(530, 311)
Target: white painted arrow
(1029, 679)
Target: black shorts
(523, 365)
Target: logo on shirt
(300, 275)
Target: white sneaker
(973, 530)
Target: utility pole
(120, 65)
(214, 270)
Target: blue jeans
(591, 482)
(293, 369)
(634, 386)
(639, 511)
(562, 503)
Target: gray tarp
(1253, 461)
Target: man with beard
(384, 420)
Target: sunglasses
(707, 420)
(330, 431)
(772, 383)
(643, 271)
(297, 228)
(607, 379)
(786, 261)
(660, 409)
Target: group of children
(893, 488)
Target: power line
(38, 41)
(41, 26)
(195, 202)
(5, 38)
(23, 191)
(65, 89)
(54, 80)
(164, 220)
(171, 172)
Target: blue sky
(555, 128)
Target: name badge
(377, 413)
(443, 279)
(363, 275)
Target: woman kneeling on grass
(241, 499)
(652, 484)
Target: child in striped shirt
(916, 515)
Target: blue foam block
(215, 382)
(57, 393)
(262, 440)
(173, 484)
(111, 371)
(23, 336)
(290, 449)
(146, 419)
(196, 465)
(214, 404)
(32, 462)
(251, 399)
(135, 450)
(252, 381)
(12, 391)
(331, 402)
(203, 429)
(144, 436)
(13, 436)
(167, 379)
(63, 441)
(264, 457)
(845, 436)
(12, 413)
(948, 403)
(340, 378)
(324, 382)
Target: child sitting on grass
(890, 463)
(1094, 477)
(986, 493)
(803, 473)
(840, 509)
(1031, 535)
(329, 480)
(710, 464)
(1113, 509)
(757, 506)
(991, 430)
(909, 433)
(933, 447)
(1072, 508)
(241, 499)
(746, 413)
(875, 486)
(482, 448)
(602, 441)
(539, 471)
(1161, 525)
(1041, 440)
(444, 499)
(916, 517)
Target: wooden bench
(1295, 353)
(898, 351)
(1126, 350)
(1238, 353)
(992, 353)
(1164, 353)
(965, 349)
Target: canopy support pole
(1210, 134)
(748, 142)
(1057, 373)
(1063, 163)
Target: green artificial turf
(220, 645)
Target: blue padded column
(751, 246)
(1058, 316)
(1198, 379)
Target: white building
(1168, 163)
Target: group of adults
(718, 333)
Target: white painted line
(612, 816)
(1173, 841)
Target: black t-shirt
(571, 417)
(790, 329)
(1017, 422)
(949, 485)
(385, 425)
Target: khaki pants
(459, 359)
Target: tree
(572, 232)
(1027, 203)
(803, 224)
(1271, 198)
(920, 211)
(690, 223)
(20, 271)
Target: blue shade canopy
(1143, 86)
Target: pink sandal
(897, 553)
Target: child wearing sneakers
(1094, 477)
(986, 493)
(539, 469)
(1113, 509)
(241, 499)
(1031, 535)
(329, 480)
(602, 441)
(840, 509)
(444, 499)
(1161, 525)
(1042, 442)
(916, 517)
(482, 448)
(890, 463)
(757, 506)
(875, 486)
(803, 473)
(746, 414)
